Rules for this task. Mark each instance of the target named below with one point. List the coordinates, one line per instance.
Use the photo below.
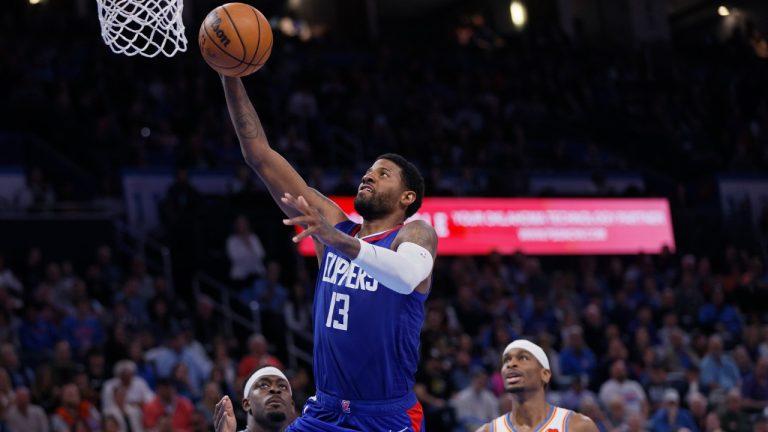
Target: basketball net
(146, 27)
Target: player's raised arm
(276, 173)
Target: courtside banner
(541, 226)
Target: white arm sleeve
(400, 271)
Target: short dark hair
(411, 178)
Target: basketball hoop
(146, 27)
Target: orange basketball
(235, 39)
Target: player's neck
(254, 426)
(529, 409)
(377, 226)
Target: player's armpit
(581, 423)
(420, 233)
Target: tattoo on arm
(248, 125)
(423, 235)
(245, 119)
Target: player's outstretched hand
(312, 220)
(224, 416)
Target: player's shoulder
(419, 232)
(581, 423)
(417, 225)
(485, 428)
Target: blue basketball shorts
(325, 413)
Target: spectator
(718, 370)
(96, 369)
(9, 280)
(111, 424)
(630, 391)
(257, 357)
(734, 419)
(677, 354)
(6, 392)
(574, 396)
(127, 415)
(144, 369)
(636, 423)
(145, 281)
(616, 416)
(73, 410)
(616, 351)
(211, 395)
(135, 304)
(698, 407)
(713, 423)
(64, 366)
(719, 316)
(754, 390)
(433, 388)
(21, 375)
(246, 254)
(167, 403)
(576, 359)
(83, 330)
(671, 417)
(44, 390)
(297, 311)
(137, 392)
(475, 405)
(36, 333)
(180, 348)
(268, 292)
(225, 366)
(208, 324)
(110, 273)
(24, 416)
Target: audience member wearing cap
(671, 417)
(526, 373)
(267, 399)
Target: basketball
(235, 39)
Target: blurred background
(141, 263)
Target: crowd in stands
(653, 343)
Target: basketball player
(266, 399)
(372, 283)
(525, 369)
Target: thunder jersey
(556, 421)
(366, 335)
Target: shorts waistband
(367, 407)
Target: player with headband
(267, 399)
(526, 374)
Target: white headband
(269, 370)
(532, 348)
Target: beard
(371, 207)
(271, 419)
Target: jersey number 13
(342, 300)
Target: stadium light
(34, 2)
(723, 11)
(518, 14)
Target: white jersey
(556, 421)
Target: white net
(146, 27)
